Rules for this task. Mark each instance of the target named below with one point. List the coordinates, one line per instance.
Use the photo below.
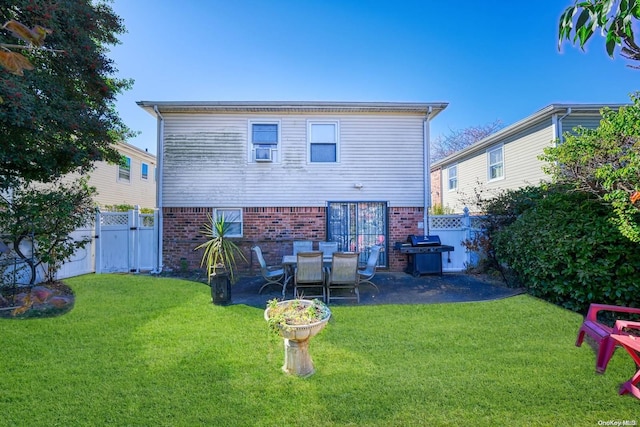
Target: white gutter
(159, 178)
(427, 171)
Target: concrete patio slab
(395, 288)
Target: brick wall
(273, 229)
(436, 187)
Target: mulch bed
(43, 300)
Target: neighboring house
(132, 183)
(352, 172)
(507, 159)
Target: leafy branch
(614, 18)
(15, 62)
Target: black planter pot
(221, 288)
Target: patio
(395, 288)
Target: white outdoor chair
(367, 273)
(309, 274)
(327, 248)
(274, 275)
(302, 246)
(343, 275)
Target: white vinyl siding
(575, 120)
(206, 161)
(520, 155)
(111, 191)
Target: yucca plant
(220, 251)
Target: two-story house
(508, 159)
(351, 172)
(131, 183)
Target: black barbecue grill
(424, 254)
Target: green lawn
(142, 351)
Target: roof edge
(291, 106)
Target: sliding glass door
(357, 226)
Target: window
(496, 163)
(124, 169)
(264, 140)
(145, 171)
(323, 142)
(232, 217)
(452, 174)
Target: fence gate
(126, 242)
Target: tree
(60, 116)
(456, 140)
(606, 162)
(614, 18)
(39, 220)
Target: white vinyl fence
(120, 242)
(453, 230)
(126, 242)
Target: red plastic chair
(601, 332)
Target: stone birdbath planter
(297, 321)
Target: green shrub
(439, 209)
(566, 249)
(501, 209)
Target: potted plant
(219, 257)
(296, 321)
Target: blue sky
(497, 61)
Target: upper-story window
(145, 171)
(495, 160)
(124, 169)
(264, 140)
(452, 176)
(323, 142)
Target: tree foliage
(614, 18)
(38, 221)
(60, 116)
(456, 140)
(564, 249)
(605, 162)
(560, 244)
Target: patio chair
(367, 273)
(327, 248)
(274, 275)
(343, 275)
(302, 246)
(601, 332)
(309, 274)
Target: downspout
(558, 125)
(427, 171)
(160, 179)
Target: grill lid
(424, 240)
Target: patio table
(289, 263)
(632, 345)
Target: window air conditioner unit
(264, 154)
